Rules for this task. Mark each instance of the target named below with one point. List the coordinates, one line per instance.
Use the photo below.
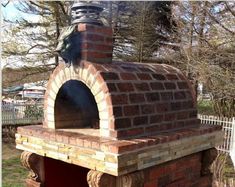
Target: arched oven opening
(75, 107)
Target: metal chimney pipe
(86, 13)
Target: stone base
(117, 157)
(189, 171)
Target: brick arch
(91, 77)
(133, 99)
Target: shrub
(33, 111)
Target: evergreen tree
(140, 29)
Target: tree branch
(62, 7)
(220, 24)
(4, 5)
(229, 9)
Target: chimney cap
(86, 13)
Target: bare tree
(207, 50)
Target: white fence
(21, 113)
(228, 126)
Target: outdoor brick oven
(117, 124)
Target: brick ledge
(117, 157)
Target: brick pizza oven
(117, 124)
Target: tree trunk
(57, 33)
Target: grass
(229, 171)
(13, 173)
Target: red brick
(183, 85)
(156, 118)
(162, 138)
(178, 174)
(141, 120)
(193, 113)
(175, 106)
(131, 110)
(166, 96)
(170, 85)
(170, 69)
(84, 27)
(153, 129)
(142, 69)
(117, 111)
(97, 47)
(128, 76)
(122, 123)
(99, 67)
(109, 76)
(188, 95)
(151, 183)
(92, 37)
(167, 126)
(129, 69)
(125, 87)
(169, 117)
(87, 45)
(195, 121)
(121, 146)
(95, 54)
(164, 180)
(142, 87)
(147, 109)
(136, 98)
(182, 115)
(130, 132)
(152, 96)
(205, 181)
(180, 95)
(172, 77)
(156, 171)
(162, 107)
(187, 105)
(182, 172)
(119, 99)
(109, 40)
(111, 87)
(102, 48)
(158, 76)
(180, 183)
(173, 136)
(144, 76)
(105, 30)
(157, 86)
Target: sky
(10, 12)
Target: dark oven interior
(75, 107)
